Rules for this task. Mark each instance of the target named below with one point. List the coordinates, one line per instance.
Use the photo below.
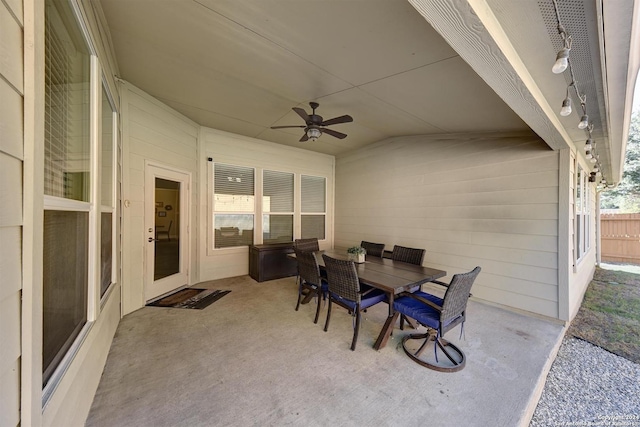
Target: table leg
(381, 342)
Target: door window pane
(167, 226)
(65, 284)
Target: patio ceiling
(240, 66)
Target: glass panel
(233, 230)
(167, 226)
(312, 226)
(67, 71)
(277, 228)
(278, 192)
(65, 284)
(106, 251)
(107, 150)
(233, 188)
(313, 193)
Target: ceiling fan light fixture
(313, 133)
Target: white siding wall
(151, 131)
(11, 160)
(487, 200)
(235, 149)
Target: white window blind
(277, 206)
(233, 205)
(313, 203)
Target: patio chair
(373, 249)
(439, 315)
(408, 255)
(306, 244)
(344, 290)
(310, 279)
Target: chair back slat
(343, 278)
(306, 244)
(408, 255)
(457, 295)
(373, 249)
(308, 268)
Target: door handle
(151, 239)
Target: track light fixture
(566, 106)
(563, 62)
(562, 59)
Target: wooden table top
(391, 276)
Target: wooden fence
(620, 236)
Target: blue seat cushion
(371, 298)
(424, 314)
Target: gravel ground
(588, 386)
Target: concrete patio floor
(251, 360)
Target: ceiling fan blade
(304, 138)
(336, 120)
(333, 133)
(301, 113)
(284, 127)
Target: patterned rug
(190, 298)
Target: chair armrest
(437, 282)
(367, 291)
(424, 301)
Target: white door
(166, 230)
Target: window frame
(96, 85)
(314, 213)
(282, 213)
(212, 212)
(259, 211)
(582, 216)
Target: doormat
(190, 298)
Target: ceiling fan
(314, 124)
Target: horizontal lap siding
(11, 164)
(151, 132)
(468, 200)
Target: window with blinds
(277, 206)
(107, 206)
(582, 216)
(67, 72)
(67, 181)
(233, 205)
(313, 199)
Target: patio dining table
(392, 277)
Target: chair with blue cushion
(409, 255)
(439, 315)
(373, 249)
(309, 245)
(344, 290)
(310, 279)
